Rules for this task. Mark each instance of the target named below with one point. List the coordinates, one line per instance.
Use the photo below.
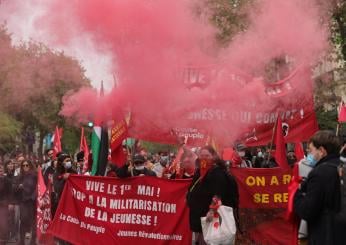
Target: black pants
(12, 225)
(3, 223)
(28, 221)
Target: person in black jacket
(318, 199)
(210, 179)
(63, 170)
(26, 190)
(5, 187)
(13, 226)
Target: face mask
(139, 167)
(241, 153)
(260, 154)
(311, 160)
(68, 165)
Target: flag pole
(272, 140)
(337, 129)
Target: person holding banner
(318, 199)
(63, 170)
(210, 179)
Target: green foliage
(157, 147)
(339, 26)
(9, 130)
(229, 16)
(327, 119)
(71, 139)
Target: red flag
(342, 112)
(118, 134)
(279, 141)
(230, 155)
(299, 151)
(43, 205)
(84, 147)
(57, 140)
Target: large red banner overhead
(139, 210)
(263, 203)
(248, 114)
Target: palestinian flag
(103, 153)
(99, 147)
(95, 147)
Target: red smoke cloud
(160, 48)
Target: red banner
(342, 113)
(263, 203)
(44, 215)
(248, 114)
(139, 210)
(57, 140)
(118, 134)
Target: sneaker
(27, 235)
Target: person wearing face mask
(63, 170)
(318, 199)
(160, 167)
(210, 179)
(258, 159)
(245, 162)
(135, 168)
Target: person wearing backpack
(318, 200)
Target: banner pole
(337, 129)
(272, 140)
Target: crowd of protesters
(18, 180)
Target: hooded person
(135, 168)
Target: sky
(20, 21)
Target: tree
(33, 81)
(339, 25)
(228, 16)
(9, 131)
(157, 147)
